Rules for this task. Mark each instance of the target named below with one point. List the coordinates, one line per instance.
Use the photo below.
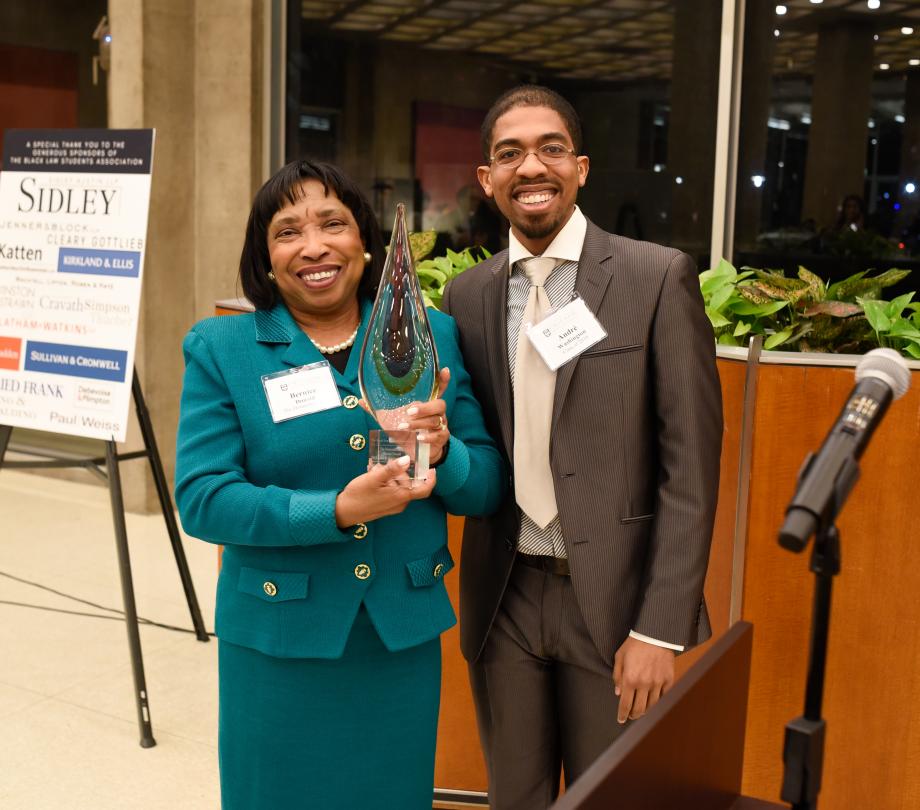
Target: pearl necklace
(337, 347)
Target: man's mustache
(549, 186)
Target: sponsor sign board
(73, 228)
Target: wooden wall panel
(873, 668)
(719, 574)
(458, 763)
(38, 88)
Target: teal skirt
(354, 733)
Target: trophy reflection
(399, 361)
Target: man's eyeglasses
(548, 154)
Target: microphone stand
(803, 747)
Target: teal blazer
(289, 584)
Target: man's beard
(540, 228)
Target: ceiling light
(900, 119)
(873, 4)
(781, 10)
(884, 66)
(805, 119)
(914, 62)
(776, 32)
(907, 30)
(679, 180)
(910, 188)
(871, 123)
(758, 180)
(816, 2)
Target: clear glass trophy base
(384, 446)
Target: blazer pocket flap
(273, 586)
(430, 569)
(637, 518)
(597, 351)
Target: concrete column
(187, 69)
(227, 141)
(909, 171)
(759, 46)
(691, 136)
(910, 136)
(356, 141)
(293, 77)
(617, 182)
(841, 102)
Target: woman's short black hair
(283, 188)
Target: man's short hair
(530, 95)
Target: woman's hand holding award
(399, 361)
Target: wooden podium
(688, 750)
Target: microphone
(828, 476)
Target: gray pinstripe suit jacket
(635, 445)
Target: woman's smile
(319, 277)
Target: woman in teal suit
(331, 598)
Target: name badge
(566, 333)
(299, 391)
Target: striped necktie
(534, 386)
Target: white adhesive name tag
(299, 391)
(566, 333)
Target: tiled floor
(68, 730)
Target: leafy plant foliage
(805, 314)
(434, 274)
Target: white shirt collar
(566, 246)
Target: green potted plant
(434, 274)
(805, 314)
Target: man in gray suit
(576, 596)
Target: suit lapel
(277, 326)
(349, 377)
(594, 273)
(495, 322)
(273, 325)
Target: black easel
(110, 461)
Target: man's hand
(642, 673)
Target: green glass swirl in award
(399, 361)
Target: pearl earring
(271, 275)
(367, 257)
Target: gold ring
(441, 423)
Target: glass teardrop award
(399, 361)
